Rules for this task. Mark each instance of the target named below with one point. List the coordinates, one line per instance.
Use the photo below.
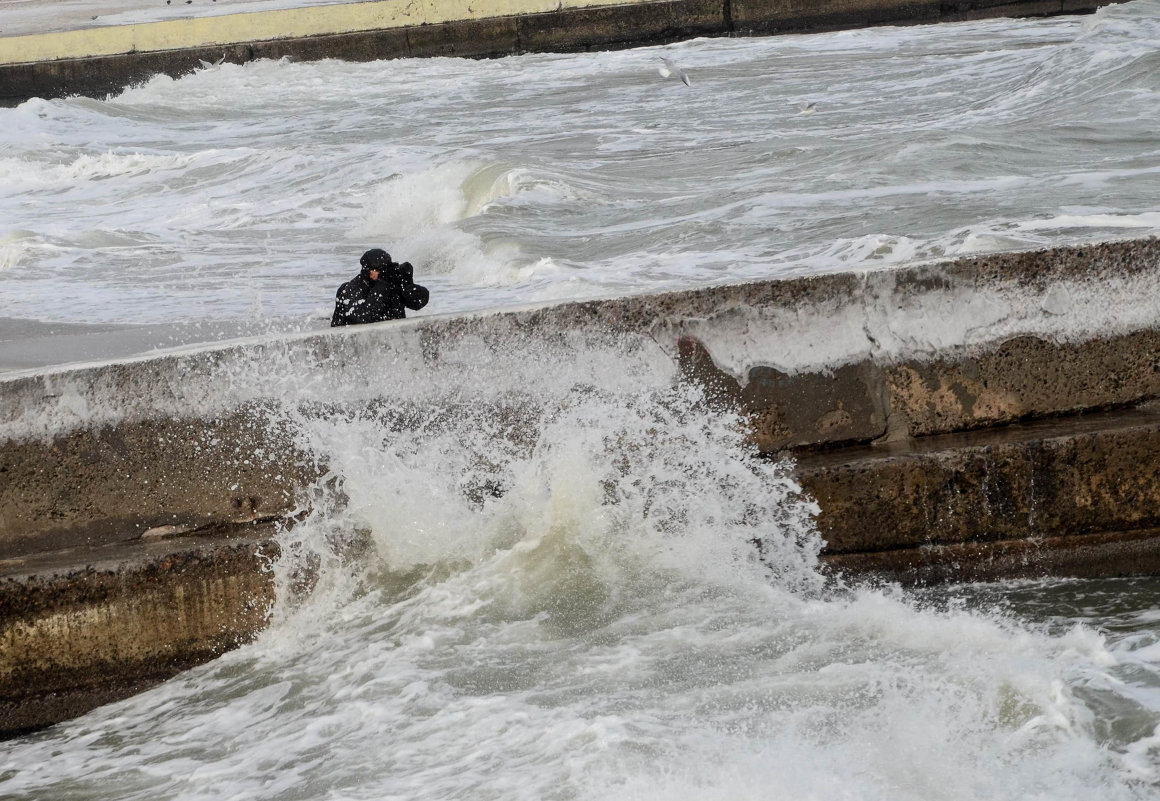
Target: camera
(402, 273)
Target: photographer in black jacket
(383, 290)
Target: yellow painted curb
(259, 26)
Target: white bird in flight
(807, 108)
(670, 68)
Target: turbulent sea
(600, 629)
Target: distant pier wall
(101, 60)
(971, 419)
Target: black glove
(403, 273)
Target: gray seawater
(600, 629)
(248, 192)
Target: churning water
(566, 603)
(600, 627)
(248, 192)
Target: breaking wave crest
(570, 509)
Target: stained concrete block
(845, 404)
(73, 638)
(474, 38)
(602, 27)
(1069, 477)
(113, 483)
(1023, 377)
(357, 46)
(1104, 555)
(780, 16)
(986, 9)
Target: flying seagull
(205, 65)
(807, 108)
(670, 68)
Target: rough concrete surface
(1108, 554)
(1054, 478)
(84, 633)
(1016, 379)
(115, 483)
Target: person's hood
(375, 259)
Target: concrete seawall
(972, 419)
(97, 61)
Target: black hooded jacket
(362, 300)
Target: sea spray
(595, 480)
(612, 556)
(570, 605)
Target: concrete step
(1076, 495)
(84, 627)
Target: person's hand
(404, 272)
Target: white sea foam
(600, 630)
(1147, 222)
(568, 604)
(564, 602)
(546, 177)
(22, 176)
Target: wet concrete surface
(27, 345)
(86, 626)
(1072, 476)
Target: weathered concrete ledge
(1069, 496)
(78, 634)
(979, 418)
(100, 61)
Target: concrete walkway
(25, 17)
(95, 47)
(126, 29)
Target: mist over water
(545, 585)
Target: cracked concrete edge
(76, 637)
(1114, 554)
(1022, 378)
